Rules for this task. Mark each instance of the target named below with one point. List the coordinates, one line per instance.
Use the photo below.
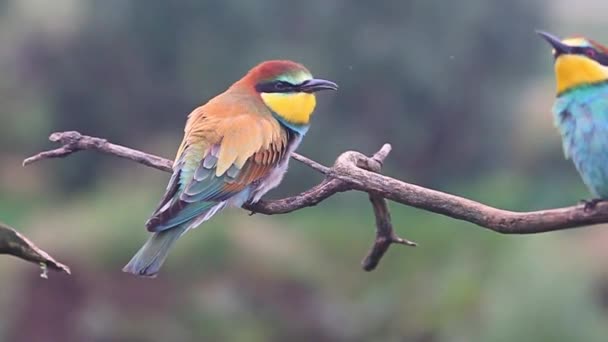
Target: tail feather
(149, 259)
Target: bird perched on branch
(236, 148)
(581, 109)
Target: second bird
(236, 148)
(581, 109)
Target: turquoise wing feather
(193, 189)
(582, 118)
(194, 194)
(195, 186)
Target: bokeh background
(461, 89)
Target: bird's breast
(275, 176)
(581, 119)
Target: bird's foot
(590, 205)
(251, 213)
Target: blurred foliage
(454, 86)
(408, 74)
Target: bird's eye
(281, 86)
(591, 53)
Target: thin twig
(311, 163)
(73, 141)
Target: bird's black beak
(559, 47)
(316, 84)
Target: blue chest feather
(298, 129)
(581, 115)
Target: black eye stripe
(595, 54)
(602, 59)
(282, 85)
(276, 87)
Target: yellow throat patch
(295, 108)
(575, 70)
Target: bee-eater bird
(236, 147)
(581, 108)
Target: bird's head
(287, 88)
(578, 62)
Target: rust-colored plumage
(270, 70)
(235, 148)
(603, 49)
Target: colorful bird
(581, 109)
(236, 148)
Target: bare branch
(13, 243)
(385, 234)
(308, 198)
(311, 163)
(73, 141)
(355, 171)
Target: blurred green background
(462, 90)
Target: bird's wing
(593, 123)
(219, 158)
(584, 126)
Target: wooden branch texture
(355, 171)
(14, 243)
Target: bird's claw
(251, 213)
(589, 205)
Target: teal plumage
(193, 196)
(581, 116)
(581, 108)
